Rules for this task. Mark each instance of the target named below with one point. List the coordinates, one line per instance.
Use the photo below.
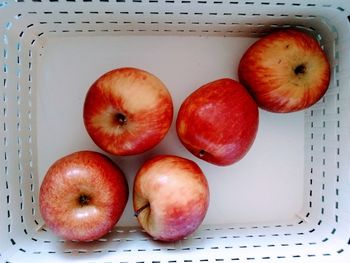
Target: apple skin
(285, 71)
(82, 196)
(127, 111)
(218, 122)
(176, 195)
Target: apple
(218, 122)
(127, 111)
(82, 196)
(285, 71)
(170, 197)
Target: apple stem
(201, 153)
(138, 211)
(40, 227)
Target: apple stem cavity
(83, 200)
(300, 69)
(201, 153)
(138, 211)
(121, 118)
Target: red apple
(127, 111)
(285, 71)
(218, 122)
(82, 196)
(171, 197)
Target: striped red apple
(82, 196)
(285, 71)
(218, 122)
(170, 196)
(127, 111)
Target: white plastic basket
(288, 200)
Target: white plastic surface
(286, 201)
(272, 170)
